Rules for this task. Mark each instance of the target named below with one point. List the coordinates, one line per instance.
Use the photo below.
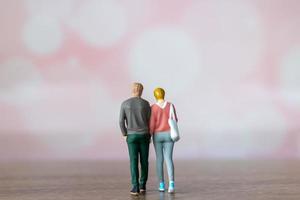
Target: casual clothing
(159, 117)
(163, 145)
(134, 115)
(138, 148)
(134, 123)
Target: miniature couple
(138, 122)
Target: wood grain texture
(212, 180)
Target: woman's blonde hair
(159, 93)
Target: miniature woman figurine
(163, 143)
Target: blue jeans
(163, 145)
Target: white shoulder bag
(173, 125)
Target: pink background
(232, 68)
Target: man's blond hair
(137, 89)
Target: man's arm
(149, 115)
(122, 121)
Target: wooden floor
(209, 180)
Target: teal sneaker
(171, 187)
(161, 187)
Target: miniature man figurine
(134, 123)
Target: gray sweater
(135, 116)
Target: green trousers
(138, 148)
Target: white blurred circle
(290, 77)
(240, 130)
(68, 71)
(60, 9)
(19, 81)
(100, 23)
(231, 35)
(71, 112)
(165, 57)
(42, 35)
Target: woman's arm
(152, 121)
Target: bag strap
(171, 113)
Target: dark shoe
(135, 190)
(143, 188)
